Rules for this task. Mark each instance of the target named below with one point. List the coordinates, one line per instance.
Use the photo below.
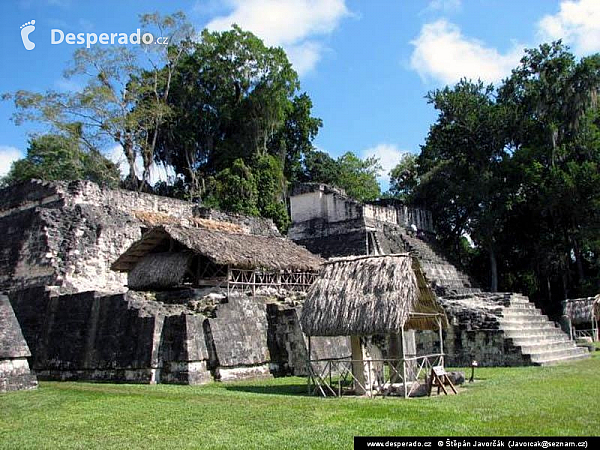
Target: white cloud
(442, 54)
(445, 6)
(8, 155)
(68, 85)
(291, 24)
(158, 172)
(116, 155)
(577, 23)
(389, 156)
(305, 56)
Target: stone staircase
(537, 339)
(444, 277)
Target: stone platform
(496, 329)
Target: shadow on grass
(280, 389)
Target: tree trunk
(130, 156)
(493, 269)
(577, 251)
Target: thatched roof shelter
(367, 295)
(582, 310)
(242, 251)
(159, 270)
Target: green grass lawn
(560, 400)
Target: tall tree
(233, 97)
(517, 169)
(404, 178)
(358, 177)
(54, 157)
(460, 166)
(115, 82)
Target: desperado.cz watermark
(57, 36)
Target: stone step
(521, 330)
(518, 307)
(531, 322)
(519, 312)
(521, 333)
(560, 353)
(549, 358)
(540, 340)
(551, 347)
(511, 312)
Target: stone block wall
(133, 337)
(489, 348)
(238, 339)
(14, 368)
(289, 346)
(121, 337)
(67, 234)
(60, 239)
(327, 222)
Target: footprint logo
(26, 30)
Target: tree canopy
(55, 157)
(222, 109)
(517, 169)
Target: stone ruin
(495, 329)
(14, 368)
(82, 322)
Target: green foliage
(251, 190)
(55, 157)
(356, 176)
(359, 177)
(404, 178)
(271, 184)
(233, 98)
(234, 189)
(319, 167)
(517, 170)
(294, 139)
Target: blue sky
(367, 65)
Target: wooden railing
(240, 280)
(334, 376)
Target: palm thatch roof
(582, 310)
(241, 251)
(366, 295)
(159, 270)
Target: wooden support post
(358, 365)
(403, 362)
(441, 335)
(309, 365)
(395, 354)
(228, 280)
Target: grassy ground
(560, 400)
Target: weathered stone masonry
(496, 329)
(14, 368)
(61, 239)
